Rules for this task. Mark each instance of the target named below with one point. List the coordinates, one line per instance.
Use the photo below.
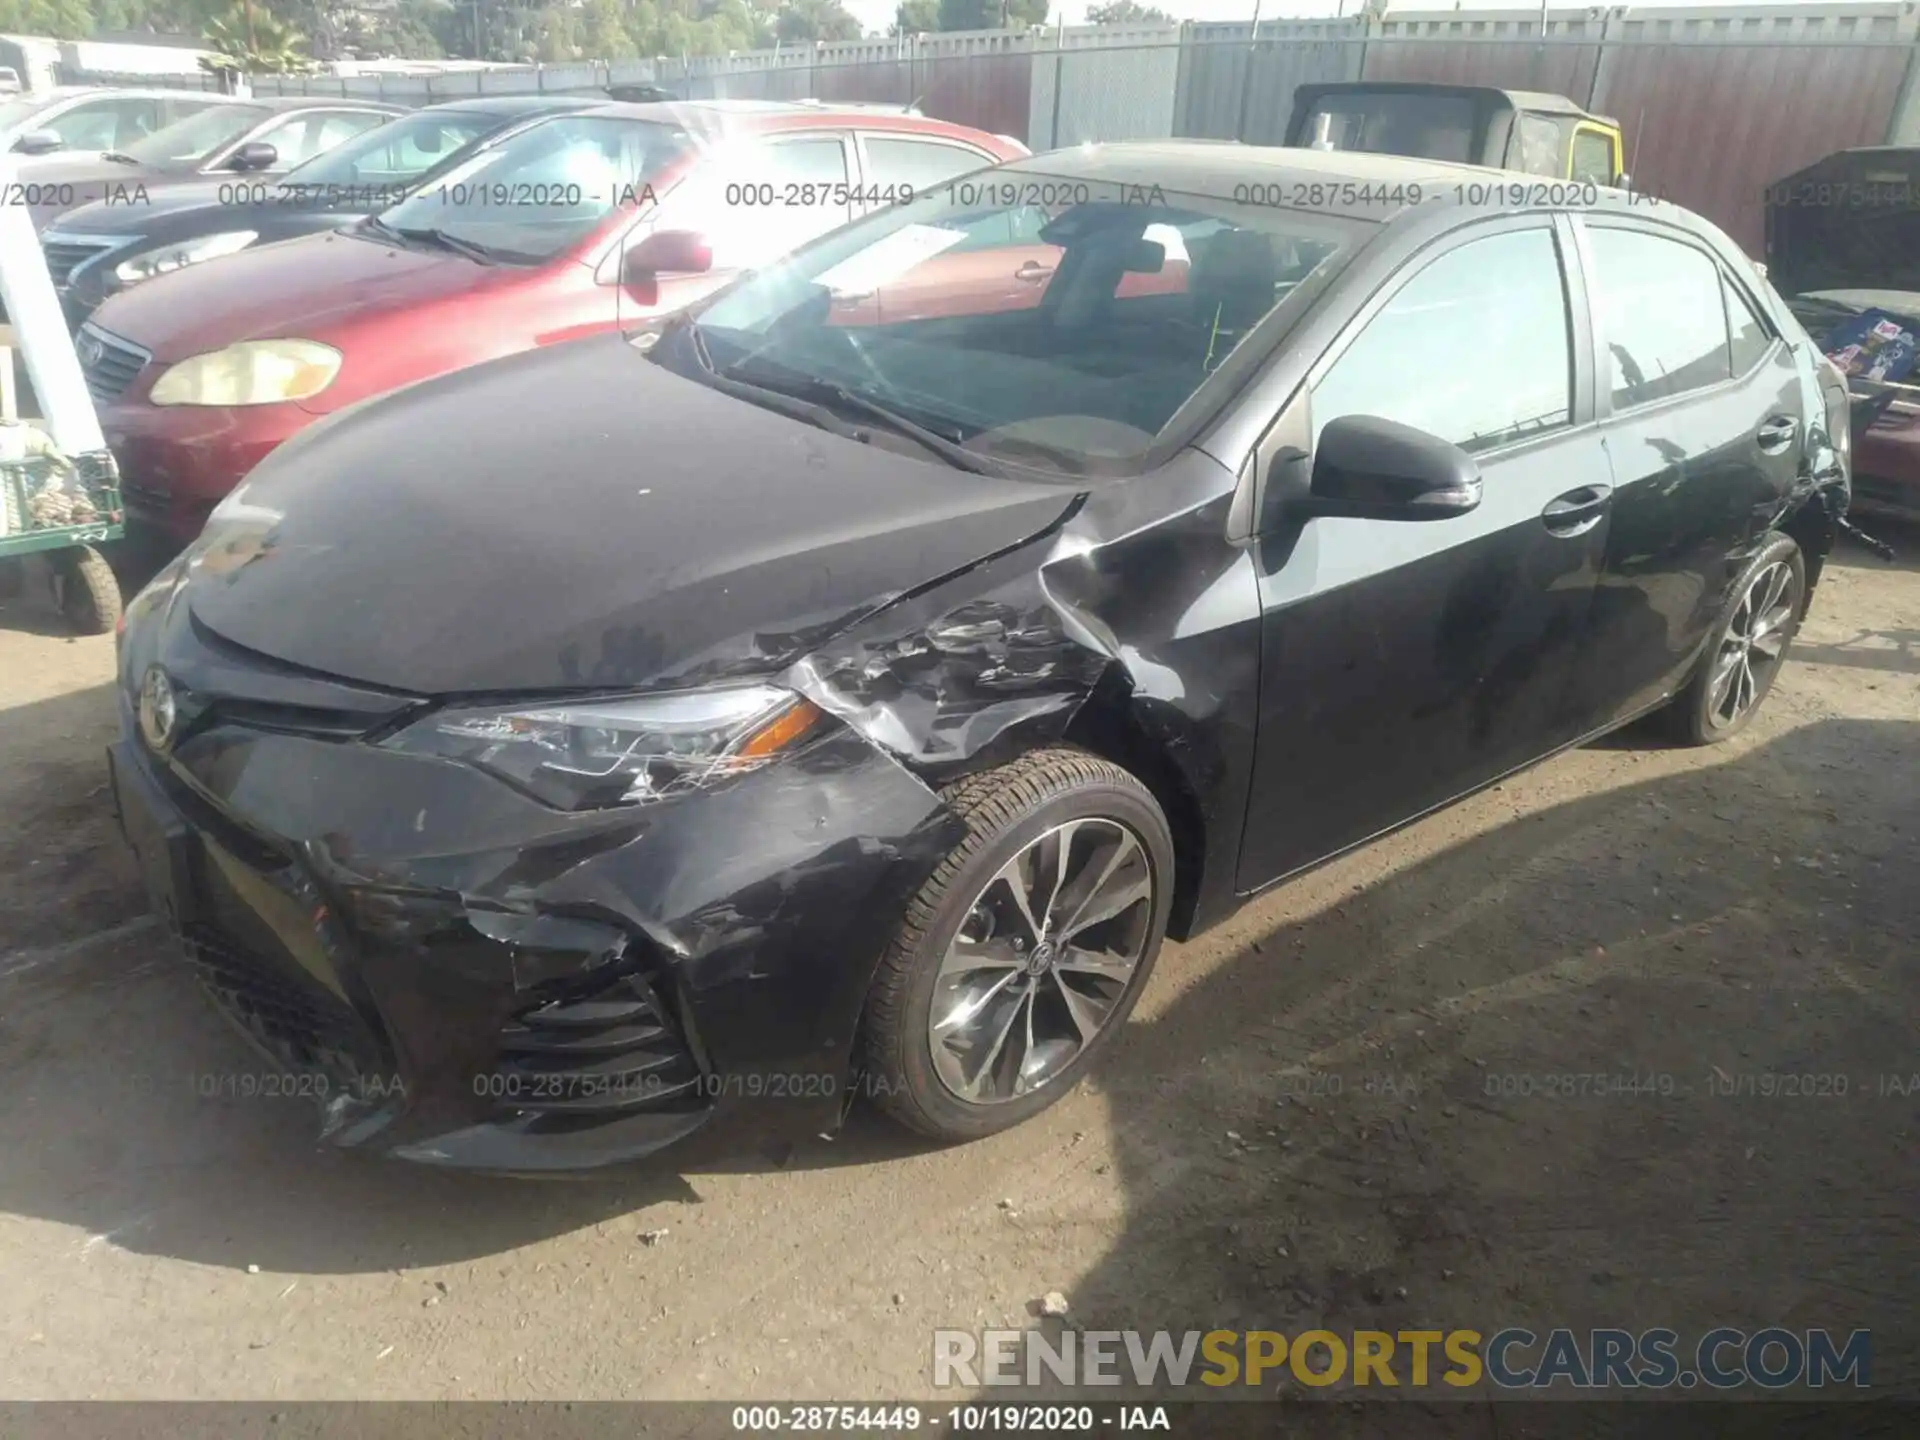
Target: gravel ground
(1321, 1114)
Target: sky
(877, 15)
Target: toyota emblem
(89, 349)
(158, 711)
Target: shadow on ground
(1481, 1092)
(1645, 1059)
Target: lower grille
(611, 1049)
(307, 1030)
(108, 364)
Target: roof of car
(310, 102)
(1544, 101)
(722, 110)
(718, 117)
(1210, 167)
(520, 104)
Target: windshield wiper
(472, 249)
(768, 399)
(811, 387)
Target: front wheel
(1747, 648)
(1022, 955)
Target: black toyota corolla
(844, 692)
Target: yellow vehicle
(1529, 131)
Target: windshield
(396, 151)
(1434, 127)
(545, 189)
(1053, 322)
(197, 136)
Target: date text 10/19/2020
(955, 1419)
(499, 1085)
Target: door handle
(1777, 434)
(1032, 272)
(1577, 511)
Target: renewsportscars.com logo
(1510, 1359)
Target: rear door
(1404, 663)
(1701, 406)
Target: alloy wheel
(1043, 958)
(1755, 641)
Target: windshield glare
(195, 137)
(397, 150)
(544, 190)
(935, 310)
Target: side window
(107, 125)
(756, 201)
(300, 139)
(172, 110)
(917, 165)
(338, 129)
(1540, 145)
(1658, 303)
(1748, 332)
(293, 139)
(1592, 158)
(1414, 364)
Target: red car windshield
(544, 189)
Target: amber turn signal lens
(778, 733)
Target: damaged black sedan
(845, 691)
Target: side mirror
(254, 155)
(1623, 181)
(38, 142)
(1373, 469)
(667, 252)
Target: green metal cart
(64, 507)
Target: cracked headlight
(162, 258)
(254, 372)
(586, 754)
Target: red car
(561, 228)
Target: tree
(254, 41)
(603, 32)
(59, 19)
(1126, 12)
(991, 14)
(917, 17)
(801, 22)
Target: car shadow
(1642, 1059)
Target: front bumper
(178, 461)
(466, 978)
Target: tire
(86, 590)
(1026, 811)
(1702, 714)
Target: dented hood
(309, 287)
(580, 517)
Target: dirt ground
(1319, 1115)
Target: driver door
(1405, 662)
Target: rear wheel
(1023, 954)
(1747, 649)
